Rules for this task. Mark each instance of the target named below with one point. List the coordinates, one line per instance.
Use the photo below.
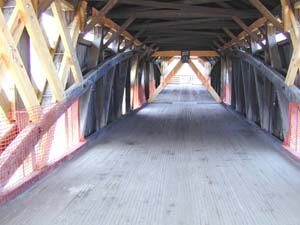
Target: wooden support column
(253, 46)
(151, 79)
(276, 63)
(238, 85)
(246, 83)
(119, 85)
(128, 92)
(95, 49)
(223, 75)
(108, 85)
(138, 93)
(115, 45)
(226, 80)
(275, 59)
(133, 75)
(104, 31)
(146, 69)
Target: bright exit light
(89, 37)
(279, 37)
(50, 28)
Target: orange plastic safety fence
(292, 140)
(30, 143)
(151, 87)
(227, 94)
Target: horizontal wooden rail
(192, 53)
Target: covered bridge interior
(99, 124)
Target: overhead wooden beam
(265, 12)
(192, 53)
(247, 30)
(119, 31)
(254, 26)
(200, 12)
(67, 41)
(40, 44)
(205, 82)
(115, 27)
(229, 33)
(216, 44)
(175, 23)
(155, 4)
(166, 5)
(2, 2)
(199, 2)
(131, 42)
(221, 39)
(101, 14)
(234, 39)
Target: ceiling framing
(186, 24)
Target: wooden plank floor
(182, 160)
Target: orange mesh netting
(227, 94)
(32, 142)
(292, 140)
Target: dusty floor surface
(182, 160)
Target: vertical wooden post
(95, 49)
(133, 74)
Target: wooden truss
(204, 80)
(291, 25)
(25, 17)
